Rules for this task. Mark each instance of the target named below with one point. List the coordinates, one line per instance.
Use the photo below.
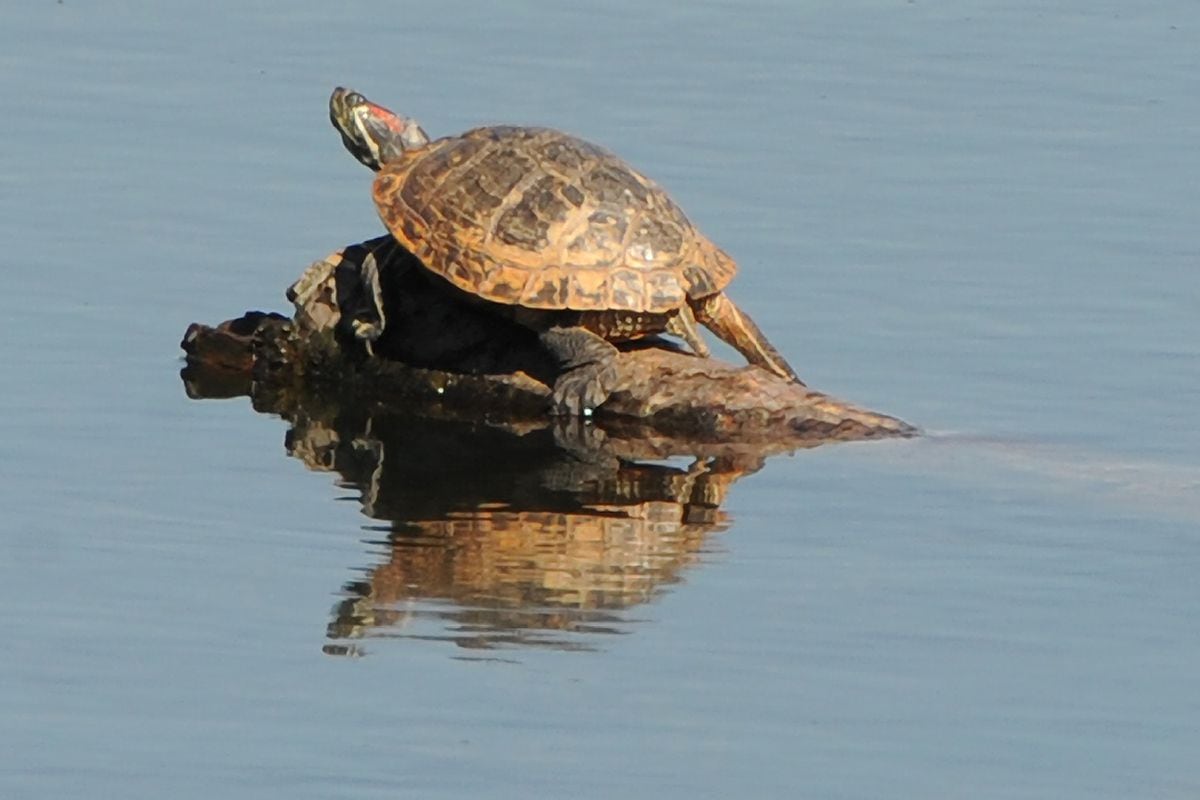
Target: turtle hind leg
(718, 313)
(586, 361)
(684, 326)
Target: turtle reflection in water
(549, 551)
(549, 579)
(560, 234)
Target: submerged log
(443, 357)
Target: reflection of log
(471, 363)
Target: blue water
(980, 217)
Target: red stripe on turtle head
(374, 134)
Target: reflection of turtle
(564, 235)
(549, 551)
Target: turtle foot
(368, 330)
(580, 391)
(588, 373)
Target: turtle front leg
(368, 320)
(363, 308)
(718, 313)
(588, 372)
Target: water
(980, 217)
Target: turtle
(556, 232)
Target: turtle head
(372, 133)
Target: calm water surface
(979, 216)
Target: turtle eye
(346, 98)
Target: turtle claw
(580, 391)
(366, 329)
(588, 376)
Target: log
(443, 356)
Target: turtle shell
(537, 218)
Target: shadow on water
(505, 536)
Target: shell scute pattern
(608, 184)
(550, 290)
(529, 223)
(600, 241)
(663, 290)
(566, 155)
(589, 288)
(653, 234)
(573, 196)
(504, 283)
(541, 219)
(628, 288)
